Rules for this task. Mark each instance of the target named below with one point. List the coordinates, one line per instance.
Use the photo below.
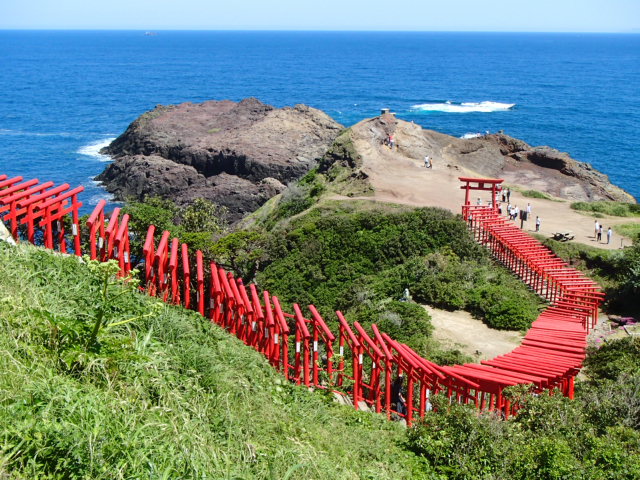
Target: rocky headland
(235, 154)
(361, 149)
(241, 154)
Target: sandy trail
(397, 178)
(469, 335)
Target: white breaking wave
(467, 136)
(20, 133)
(465, 107)
(93, 150)
(95, 199)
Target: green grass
(532, 193)
(343, 257)
(166, 395)
(631, 230)
(616, 209)
(536, 194)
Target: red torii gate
(486, 184)
(303, 348)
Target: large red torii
(492, 185)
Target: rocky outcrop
(235, 154)
(495, 155)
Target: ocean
(66, 94)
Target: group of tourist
(598, 233)
(514, 212)
(389, 141)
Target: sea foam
(93, 149)
(465, 107)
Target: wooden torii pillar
(487, 184)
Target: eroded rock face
(236, 154)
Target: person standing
(397, 395)
(599, 238)
(427, 162)
(597, 226)
(392, 141)
(609, 235)
(538, 222)
(528, 209)
(508, 195)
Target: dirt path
(460, 330)
(397, 178)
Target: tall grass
(631, 230)
(167, 395)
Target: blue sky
(427, 15)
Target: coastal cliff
(235, 154)
(240, 155)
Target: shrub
(614, 358)
(503, 308)
(617, 209)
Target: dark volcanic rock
(235, 154)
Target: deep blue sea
(64, 94)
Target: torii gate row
(24, 203)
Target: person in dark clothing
(397, 395)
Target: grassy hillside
(158, 393)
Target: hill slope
(161, 393)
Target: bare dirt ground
(469, 335)
(397, 176)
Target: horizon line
(634, 31)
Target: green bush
(617, 209)
(535, 194)
(614, 358)
(503, 308)
(551, 438)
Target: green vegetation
(197, 224)
(360, 260)
(99, 381)
(339, 166)
(536, 194)
(297, 197)
(552, 437)
(616, 209)
(631, 230)
(157, 392)
(531, 193)
(614, 359)
(596, 436)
